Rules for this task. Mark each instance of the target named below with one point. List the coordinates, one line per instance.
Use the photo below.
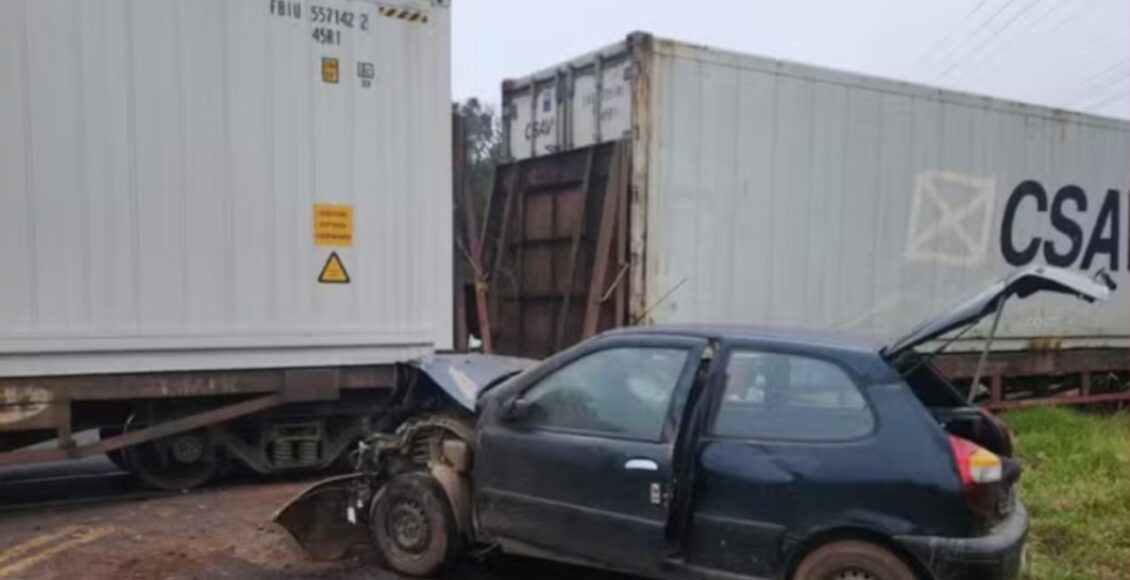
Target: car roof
(824, 339)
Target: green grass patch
(1077, 487)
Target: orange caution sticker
(333, 224)
(330, 71)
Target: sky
(1072, 54)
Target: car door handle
(641, 465)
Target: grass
(1077, 486)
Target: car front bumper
(995, 556)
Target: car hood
(1020, 284)
(464, 376)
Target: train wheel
(179, 462)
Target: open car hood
(1020, 284)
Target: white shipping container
(769, 192)
(175, 178)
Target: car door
(583, 471)
(785, 425)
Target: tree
(484, 148)
(480, 131)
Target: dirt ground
(223, 533)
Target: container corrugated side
(159, 168)
(792, 195)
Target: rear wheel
(853, 560)
(413, 526)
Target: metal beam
(574, 250)
(182, 425)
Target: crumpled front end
(323, 518)
(331, 517)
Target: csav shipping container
(768, 192)
(219, 185)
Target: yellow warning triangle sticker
(334, 271)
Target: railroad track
(71, 483)
(97, 481)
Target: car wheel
(853, 560)
(413, 526)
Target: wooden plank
(520, 268)
(501, 238)
(1060, 401)
(1028, 363)
(622, 242)
(459, 200)
(476, 260)
(500, 245)
(574, 250)
(603, 252)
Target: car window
(618, 391)
(781, 396)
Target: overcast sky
(1064, 53)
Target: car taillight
(982, 475)
(975, 464)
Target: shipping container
(219, 185)
(175, 176)
(760, 191)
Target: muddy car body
(705, 452)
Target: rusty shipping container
(768, 192)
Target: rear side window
(784, 396)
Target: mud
(206, 535)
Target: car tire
(413, 526)
(853, 560)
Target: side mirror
(516, 409)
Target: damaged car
(703, 452)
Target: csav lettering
(1069, 242)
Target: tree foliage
(483, 129)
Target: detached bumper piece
(996, 556)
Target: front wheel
(413, 526)
(853, 560)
